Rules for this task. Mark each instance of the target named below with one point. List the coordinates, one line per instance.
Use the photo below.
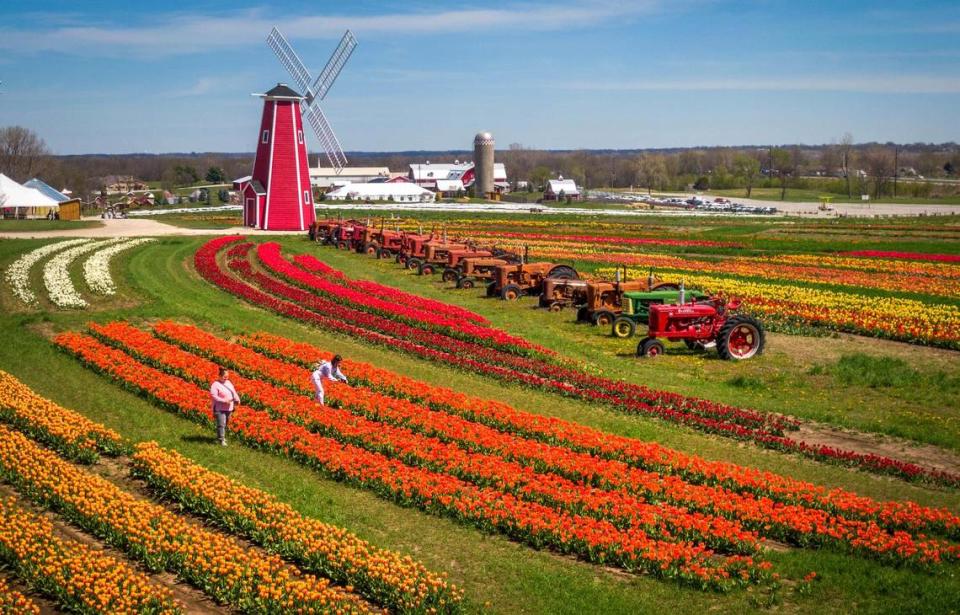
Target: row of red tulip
(269, 255)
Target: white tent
(399, 192)
(18, 201)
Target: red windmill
(278, 195)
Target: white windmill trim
(296, 158)
(273, 142)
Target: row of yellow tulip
(896, 318)
(385, 577)
(71, 433)
(217, 564)
(79, 577)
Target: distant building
(397, 192)
(426, 174)
(121, 184)
(327, 177)
(560, 189)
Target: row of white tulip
(56, 274)
(96, 269)
(18, 274)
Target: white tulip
(18, 274)
(96, 269)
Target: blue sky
(125, 76)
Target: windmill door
(250, 212)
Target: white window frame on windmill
(306, 197)
(265, 138)
(300, 136)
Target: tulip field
(485, 455)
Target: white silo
(483, 147)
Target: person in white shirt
(327, 370)
(225, 399)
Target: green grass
(157, 281)
(29, 226)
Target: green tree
(746, 168)
(215, 175)
(185, 175)
(539, 177)
(651, 171)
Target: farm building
(327, 177)
(559, 189)
(69, 207)
(397, 192)
(427, 174)
(18, 201)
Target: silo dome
(483, 137)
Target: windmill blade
(328, 140)
(334, 65)
(291, 61)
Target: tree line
(843, 167)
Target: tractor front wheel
(556, 306)
(371, 249)
(650, 348)
(466, 283)
(603, 318)
(741, 337)
(342, 245)
(510, 292)
(412, 263)
(623, 327)
(450, 275)
(425, 269)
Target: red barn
(278, 196)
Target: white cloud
(180, 33)
(887, 84)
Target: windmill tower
(278, 195)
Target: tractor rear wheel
(450, 275)
(603, 318)
(510, 292)
(623, 327)
(425, 269)
(741, 337)
(412, 263)
(556, 306)
(466, 283)
(650, 348)
(563, 272)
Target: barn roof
(567, 186)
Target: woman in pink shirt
(225, 399)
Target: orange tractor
(475, 262)
(437, 254)
(559, 293)
(472, 271)
(510, 281)
(604, 300)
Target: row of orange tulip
(77, 576)
(474, 451)
(73, 434)
(217, 564)
(284, 360)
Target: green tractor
(636, 307)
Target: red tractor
(704, 324)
